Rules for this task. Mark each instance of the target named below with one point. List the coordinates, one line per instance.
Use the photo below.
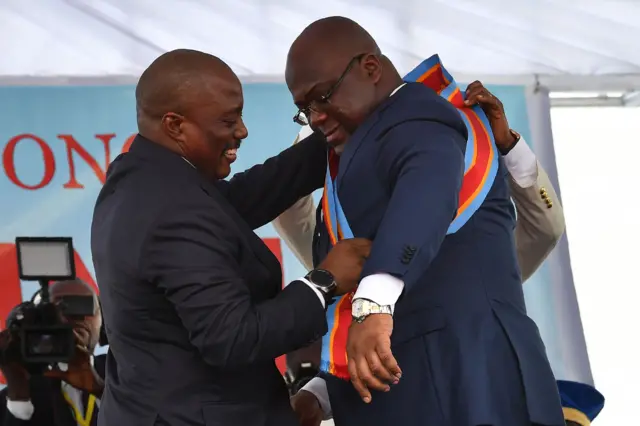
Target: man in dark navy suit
(440, 333)
(192, 299)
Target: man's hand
(80, 373)
(371, 363)
(476, 93)
(15, 375)
(307, 408)
(345, 262)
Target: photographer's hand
(80, 373)
(16, 376)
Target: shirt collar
(189, 162)
(397, 88)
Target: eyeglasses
(303, 116)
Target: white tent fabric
(563, 44)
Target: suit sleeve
(192, 256)
(263, 192)
(423, 162)
(540, 221)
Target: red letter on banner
(8, 160)
(276, 249)
(127, 143)
(73, 145)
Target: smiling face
(211, 129)
(191, 103)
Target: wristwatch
(362, 308)
(324, 282)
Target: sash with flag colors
(481, 167)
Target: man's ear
(173, 126)
(373, 67)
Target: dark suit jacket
(192, 299)
(461, 332)
(50, 407)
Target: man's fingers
(357, 383)
(83, 349)
(379, 370)
(368, 378)
(388, 360)
(361, 245)
(55, 374)
(480, 96)
(475, 85)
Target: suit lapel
(351, 148)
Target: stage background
(63, 127)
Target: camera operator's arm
(16, 397)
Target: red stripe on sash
(339, 334)
(476, 175)
(434, 78)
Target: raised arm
(263, 192)
(194, 262)
(540, 220)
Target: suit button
(549, 203)
(543, 191)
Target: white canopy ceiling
(568, 44)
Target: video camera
(40, 333)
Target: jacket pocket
(417, 323)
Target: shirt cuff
(383, 289)
(318, 387)
(22, 410)
(522, 164)
(315, 290)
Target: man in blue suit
(440, 333)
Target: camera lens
(41, 344)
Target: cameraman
(67, 395)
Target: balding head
(87, 329)
(332, 39)
(338, 76)
(175, 82)
(183, 101)
(75, 287)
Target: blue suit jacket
(461, 334)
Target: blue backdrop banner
(56, 143)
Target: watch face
(321, 278)
(357, 308)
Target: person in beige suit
(539, 226)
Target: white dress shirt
(23, 410)
(385, 289)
